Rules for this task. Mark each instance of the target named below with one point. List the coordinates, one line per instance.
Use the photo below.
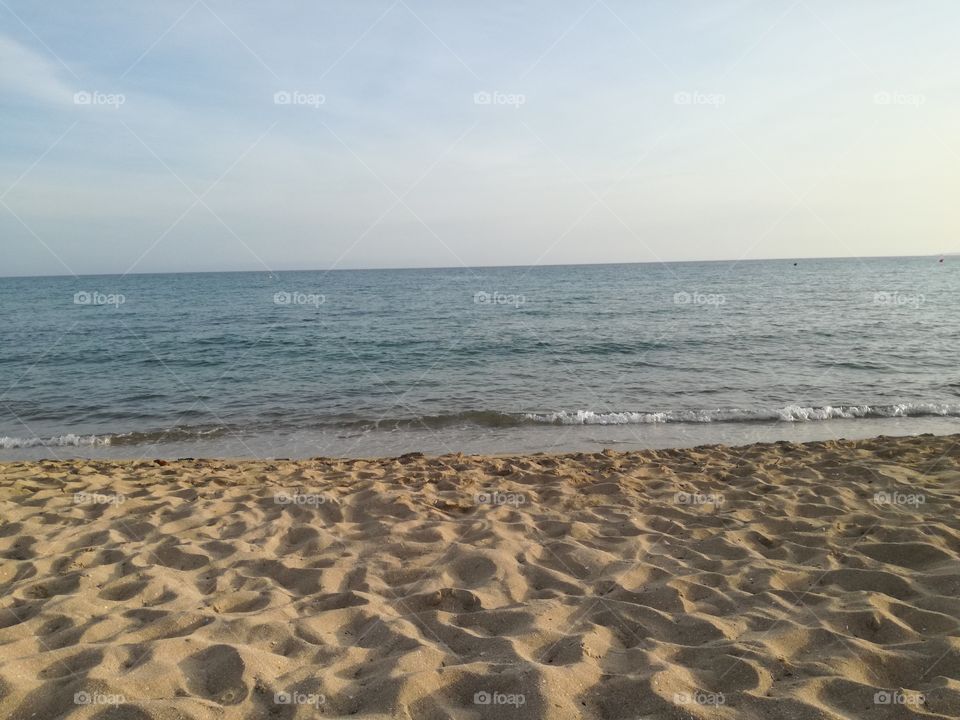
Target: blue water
(363, 363)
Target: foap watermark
(98, 698)
(698, 298)
(485, 697)
(898, 697)
(899, 498)
(695, 97)
(699, 697)
(495, 97)
(498, 298)
(685, 498)
(95, 498)
(94, 297)
(495, 497)
(293, 697)
(892, 97)
(298, 298)
(899, 299)
(296, 97)
(299, 498)
(95, 97)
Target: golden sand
(772, 581)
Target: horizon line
(478, 267)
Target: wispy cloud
(28, 73)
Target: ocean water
(380, 362)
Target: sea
(368, 363)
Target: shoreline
(763, 580)
(419, 455)
(527, 440)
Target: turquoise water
(377, 362)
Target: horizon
(489, 267)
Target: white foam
(790, 413)
(68, 440)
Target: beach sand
(769, 581)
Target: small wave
(794, 413)
(481, 418)
(128, 438)
(173, 434)
(68, 440)
(790, 413)
(497, 420)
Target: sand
(771, 581)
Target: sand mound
(772, 581)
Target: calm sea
(367, 363)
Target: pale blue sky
(616, 132)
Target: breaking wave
(495, 419)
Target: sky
(204, 135)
